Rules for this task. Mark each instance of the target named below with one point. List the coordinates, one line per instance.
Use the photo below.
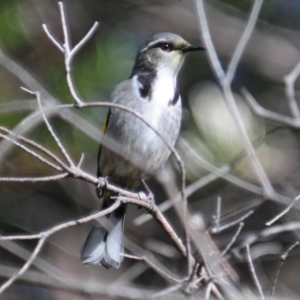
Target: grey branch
(253, 273)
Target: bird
(151, 91)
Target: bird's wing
(105, 125)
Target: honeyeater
(151, 90)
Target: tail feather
(92, 250)
(106, 247)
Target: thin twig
(233, 223)
(208, 290)
(243, 41)
(289, 81)
(159, 217)
(190, 189)
(285, 211)
(253, 273)
(66, 49)
(131, 273)
(64, 225)
(34, 179)
(56, 139)
(280, 264)
(268, 114)
(84, 39)
(251, 238)
(50, 129)
(218, 214)
(52, 38)
(66, 43)
(29, 151)
(37, 146)
(70, 53)
(80, 160)
(220, 172)
(241, 225)
(154, 267)
(28, 263)
(167, 291)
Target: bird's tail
(105, 246)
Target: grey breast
(140, 146)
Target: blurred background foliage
(104, 61)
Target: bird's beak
(191, 48)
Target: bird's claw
(148, 196)
(101, 185)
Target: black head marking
(145, 84)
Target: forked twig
(66, 49)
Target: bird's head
(163, 50)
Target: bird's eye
(165, 47)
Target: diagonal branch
(230, 101)
(243, 41)
(28, 263)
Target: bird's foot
(101, 185)
(148, 196)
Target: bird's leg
(149, 195)
(102, 182)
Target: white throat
(164, 86)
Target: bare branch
(231, 224)
(159, 217)
(77, 287)
(65, 225)
(212, 54)
(243, 41)
(29, 151)
(34, 179)
(218, 268)
(285, 211)
(219, 171)
(167, 291)
(218, 214)
(241, 225)
(190, 189)
(289, 81)
(70, 53)
(84, 39)
(161, 272)
(208, 290)
(28, 263)
(52, 38)
(281, 262)
(268, 114)
(230, 101)
(130, 274)
(251, 238)
(253, 273)
(66, 44)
